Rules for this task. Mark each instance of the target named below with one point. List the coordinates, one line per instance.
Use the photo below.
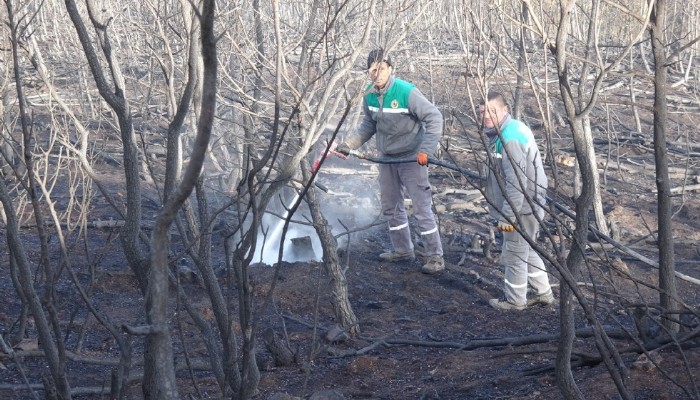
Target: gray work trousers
(522, 264)
(394, 181)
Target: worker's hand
(504, 226)
(422, 159)
(343, 149)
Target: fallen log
(281, 353)
(681, 189)
(486, 342)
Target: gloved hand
(504, 226)
(422, 159)
(343, 149)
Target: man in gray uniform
(405, 125)
(516, 185)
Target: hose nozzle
(357, 154)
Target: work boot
(434, 265)
(544, 299)
(503, 305)
(393, 256)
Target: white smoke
(353, 199)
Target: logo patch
(394, 104)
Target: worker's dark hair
(492, 95)
(377, 55)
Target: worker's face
(379, 73)
(492, 113)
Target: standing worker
(405, 125)
(516, 185)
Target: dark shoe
(503, 304)
(545, 299)
(434, 265)
(392, 256)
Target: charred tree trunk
(565, 378)
(115, 97)
(344, 314)
(25, 279)
(249, 372)
(48, 326)
(576, 258)
(667, 280)
(159, 371)
(585, 89)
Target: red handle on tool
(331, 151)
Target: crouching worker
(516, 185)
(405, 125)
